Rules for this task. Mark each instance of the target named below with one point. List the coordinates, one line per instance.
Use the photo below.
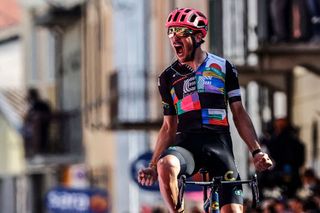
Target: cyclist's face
(181, 42)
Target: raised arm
(247, 132)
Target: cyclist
(196, 90)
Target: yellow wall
(100, 156)
(98, 142)
(11, 150)
(99, 146)
(97, 66)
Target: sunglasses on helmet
(179, 32)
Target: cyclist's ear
(198, 36)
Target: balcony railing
(61, 135)
(135, 104)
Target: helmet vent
(176, 16)
(200, 14)
(192, 18)
(183, 17)
(201, 23)
(169, 19)
(187, 10)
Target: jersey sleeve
(232, 83)
(167, 101)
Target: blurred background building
(96, 63)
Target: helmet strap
(195, 46)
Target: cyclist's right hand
(147, 176)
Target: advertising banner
(67, 200)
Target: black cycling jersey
(200, 97)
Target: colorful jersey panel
(211, 79)
(188, 103)
(215, 117)
(200, 97)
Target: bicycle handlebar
(217, 182)
(213, 183)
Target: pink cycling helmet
(188, 17)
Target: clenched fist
(262, 161)
(147, 176)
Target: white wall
(306, 102)
(11, 73)
(280, 105)
(71, 87)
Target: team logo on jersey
(215, 205)
(229, 176)
(238, 192)
(189, 86)
(165, 105)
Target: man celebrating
(196, 90)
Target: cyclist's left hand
(262, 161)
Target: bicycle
(211, 203)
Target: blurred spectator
(301, 25)
(310, 183)
(280, 206)
(316, 198)
(314, 10)
(268, 131)
(247, 206)
(307, 200)
(287, 151)
(280, 18)
(310, 205)
(267, 206)
(296, 205)
(290, 20)
(36, 124)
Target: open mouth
(179, 49)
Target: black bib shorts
(213, 152)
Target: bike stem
(214, 198)
(204, 173)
